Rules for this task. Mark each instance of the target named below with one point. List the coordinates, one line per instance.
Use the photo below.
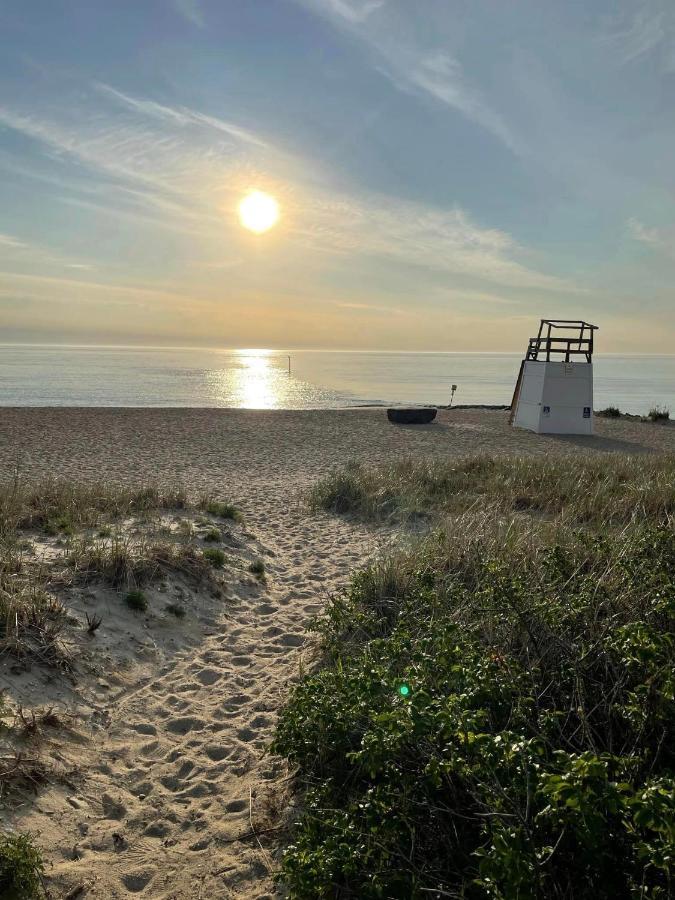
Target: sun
(258, 211)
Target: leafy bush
(496, 721)
(21, 868)
(659, 414)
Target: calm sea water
(259, 379)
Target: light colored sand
(170, 745)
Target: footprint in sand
(184, 725)
(137, 881)
(266, 609)
(241, 661)
(217, 752)
(292, 640)
(144, 728)
(208, 676)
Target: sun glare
(258, 212)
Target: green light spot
(403, 690)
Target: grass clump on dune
(129, 562)
(658, 414)
(585, 490)
(221, 510)
(609, 412)
(257, 568)
(59, 505)
(495, 716)
(136, 600)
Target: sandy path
(180, 757)
(181, 765)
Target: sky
(447, 171)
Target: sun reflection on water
(261, 379)
(257, 380)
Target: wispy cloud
(413, 64)
(6, 240)
(375, 309)
(190, 10)
(657, 238)
(418, 236)
(182, 116)
(355, 12)
(648, 28)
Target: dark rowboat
(411, 416)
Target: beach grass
(659, 414)
(584, 490)
(494, 716)
(57, 505)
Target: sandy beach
(168, 791)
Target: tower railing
(563, 339)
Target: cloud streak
(649, 28)
(6, 240)
(656, 238)
(413, 64)
(182, 116)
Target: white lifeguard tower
(554, 391)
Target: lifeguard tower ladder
(554, 391)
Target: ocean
(260, 379)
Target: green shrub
(496, 719)
(136, 600)
(215, 557)
(21, 868)
(212, 535)
(257, 568)
(609, 412)
(658, 414)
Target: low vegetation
(584, 490)
(175, 609)
(21, 868)
(128, 562)
(214, 557)
(136, 600)
(62, 506)
(658, 414)
(609, 412)
(257, 568)
(220, 509)
(495, 716)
